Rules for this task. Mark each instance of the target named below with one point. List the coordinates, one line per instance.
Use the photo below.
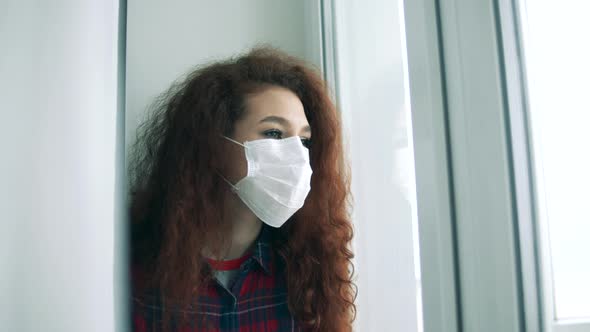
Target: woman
(239, 216)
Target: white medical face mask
(278, 178)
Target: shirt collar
(262, 252)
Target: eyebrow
(282, 121)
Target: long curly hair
(176, 199)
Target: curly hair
(176, 201)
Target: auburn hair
(176, 199)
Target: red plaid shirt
(257, 300)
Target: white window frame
(466, 73)
(440, 304)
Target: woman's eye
(277, 134)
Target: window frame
(466, 56)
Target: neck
(243, 235)
(245, 227)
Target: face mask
(278, 178)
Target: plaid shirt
(257, 300)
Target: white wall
(58, 104)
(167, 39)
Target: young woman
(239, 200)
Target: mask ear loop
(233, 188)
(229, 139)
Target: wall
(58, 100)
(167, 39)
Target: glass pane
(374, 100)
(557, 49)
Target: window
(372, 88)
(555, 41)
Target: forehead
(276, 101)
